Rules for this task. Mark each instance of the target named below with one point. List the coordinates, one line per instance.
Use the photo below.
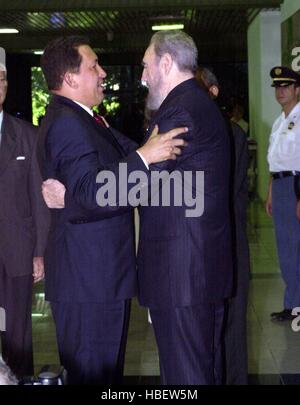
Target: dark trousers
(189, 344)
(91, 340)
(236, 354)
(16, 340)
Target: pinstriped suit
(185, 264)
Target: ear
(214, 90)
(166, 63)
(298, 91)
(70, 80)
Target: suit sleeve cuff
(143, 159)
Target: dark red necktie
(99, 119)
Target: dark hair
(61, 56)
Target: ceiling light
(167, 27)
(8, 31)
(38, 52)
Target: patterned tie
(98, 119)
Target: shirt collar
(295, 111)
(1, 119)
(87, 109)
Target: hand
(161, 147)
(38, 269)
(54, 193)
(268, 206)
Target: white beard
(155, 97)
(153, 101)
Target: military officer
(283, 200)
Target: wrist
(142, 152)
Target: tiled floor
(274, 349)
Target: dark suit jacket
(238, 205)
(240, 201)
(23, 214)
(91, 252)
(184, 261)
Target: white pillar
(264, 52)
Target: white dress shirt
(87, 109)
(284, 145)
(1, 120)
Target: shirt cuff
(143, 159)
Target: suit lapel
(104, 132)
(8, 143)
(110, 137)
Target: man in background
(236, 356)
(237, 115)
(23, 235)
(283, 200)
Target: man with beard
(184, 263)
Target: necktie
(98, 119)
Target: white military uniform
(284, 147)
(284, 159)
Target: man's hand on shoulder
(160, 147)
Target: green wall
(264, 52)
(289, 8)
(290, 34)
